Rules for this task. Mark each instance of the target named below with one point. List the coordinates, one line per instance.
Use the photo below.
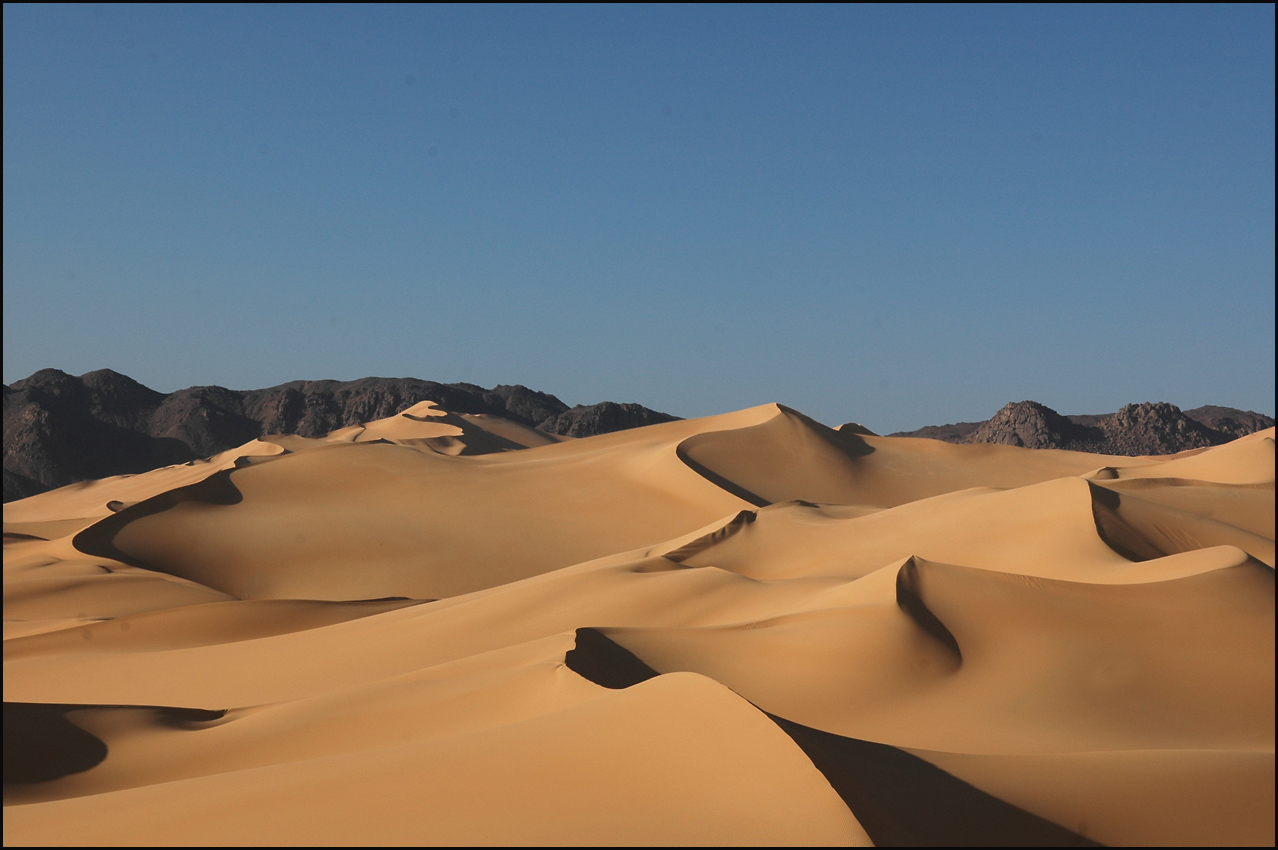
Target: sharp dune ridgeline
(458, 625)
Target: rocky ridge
(1149, 428)
(60, 429)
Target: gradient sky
(897, 215)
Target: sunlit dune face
(744, 629)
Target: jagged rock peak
(1025, 423)
(1155, 428)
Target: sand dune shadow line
(718, 480)
(909, 598)
(42, 744)
(99, 538)
(898, 798)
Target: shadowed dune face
(437, 628)
(900, 799)
(40, 744)
(904, 801)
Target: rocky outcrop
(19, 486)
(953, 433)
(206, 419)
(1156, 428)
(1228, 420)
(59, 429)
(1150, 428)
(1031, 425)
(602, 418)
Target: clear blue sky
(896, 215)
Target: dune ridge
(444, 627)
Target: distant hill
(1150, 428)
(60, 429)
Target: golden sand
(742, 629)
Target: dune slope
(749, 628)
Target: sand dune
(748, 628)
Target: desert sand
(742, 629)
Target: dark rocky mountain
(1029, 424)
(1155, 428)
(19, 486)
(1228, 420)
(59, 429)
(602, 418)
(954, 433)
(1151, 428)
